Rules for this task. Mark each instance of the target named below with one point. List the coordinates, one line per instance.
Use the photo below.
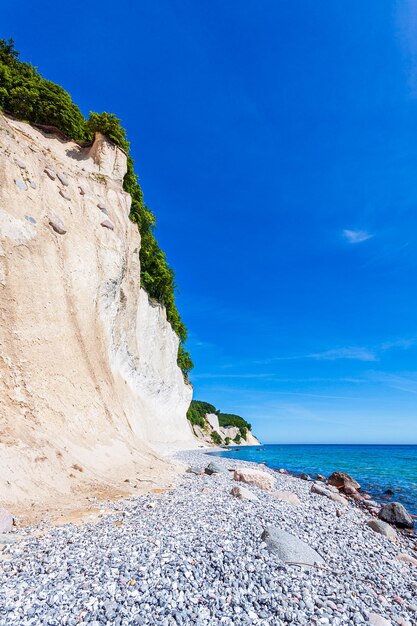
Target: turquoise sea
(377, 468)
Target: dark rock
(6, 521)
(342, 481)
(107, 224)
(304, 476)
(289, 548)
(388, 492)
(395, 513)
(215, 468)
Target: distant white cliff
(227, 434)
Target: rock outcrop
(89, 382)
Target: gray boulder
(382, 528)
(396, 513)
(289, 548)
(216, 468)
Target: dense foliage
(27, 95)
(199, 409)
(228, 419)
(215, 437)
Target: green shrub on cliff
(215, 437)
(25, 94)
(228, 419)
(198, 410)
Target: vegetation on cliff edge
(198, 409)
(26, 95)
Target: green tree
(27, 95)
(215, 437)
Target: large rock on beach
(395, 513)
(6, 521)
(254, 477)
(382, 528)
(343, 481)
(216, 468)
(289, 548)
(287, 496)
(243, 494)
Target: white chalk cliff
(226, 432)
(89, 383)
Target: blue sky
(276, 142)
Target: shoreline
(195, 555)
(379, 489)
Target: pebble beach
(197, 554)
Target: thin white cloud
(407, 383)
(356, 236)
(354, 353)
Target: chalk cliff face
(88, 374)
(212, 425)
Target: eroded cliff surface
(88, 374)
